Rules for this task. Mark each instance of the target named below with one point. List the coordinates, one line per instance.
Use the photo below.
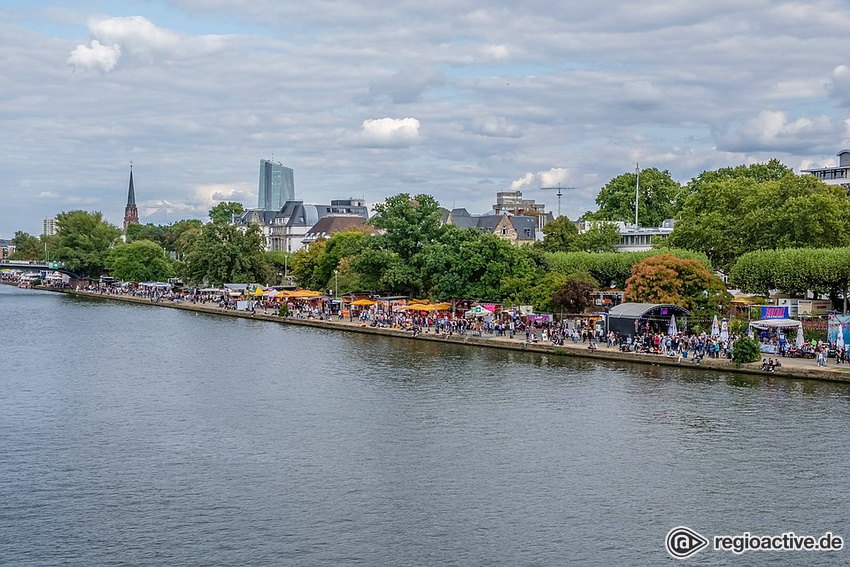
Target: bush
(745, 350)
(284, 310)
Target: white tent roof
(775, 324)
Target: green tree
(466, 263)
(658, 198)
(83, 241)
(773, 170)
(340, 245)
(668, 279)
(601, 237)
(559, 235)
(149, 231)
(140, 261)
(27, 247)
(223, 212)
(226, 254)
(728, 218)
(305, 264)
(745, 350)
(409, 224)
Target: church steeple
(131, 213)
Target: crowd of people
(587, 331)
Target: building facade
(48, 227)
(513, 203)
(516, 229)
(838, 175)
(277, 185)
(634, 238)
(287, 228)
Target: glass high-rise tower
(277, 185)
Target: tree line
(761, 224)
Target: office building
(48, 227)
(277, 185)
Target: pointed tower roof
(131, 193)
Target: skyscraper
(131, 213)
(277, 185)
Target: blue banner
(773, 312)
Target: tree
(575, 296)
(226, 254)
(745, 350)
(667, 279)
(659, 198)
(409, 224)
(560, 235)
(601, 237)
(140, 261)
(726, 219)
(84, 240)
(27, 247)
(223, 212)
(340, 245)
(794, 270)
(611, 269)
(773, 170)
(466, 263)
(305, 264)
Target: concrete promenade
(791, 367)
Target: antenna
(559, 193)
(637, 188)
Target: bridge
(26, 266)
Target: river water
(135, 435)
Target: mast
(637, 188)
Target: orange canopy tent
(363, 302)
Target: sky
(452, 98)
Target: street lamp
(336, 284)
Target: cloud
(202, 199)
(95, 56)
(139, 38)
(839, 85)
(408, 84)
(771, 130)
(549, 178)
(495, 127)
(390, 132)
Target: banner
(774, 312)
(837, 322)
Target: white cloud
(389, 132)
(772, 130)
(549, 178)
(95, 56)
(137, 37)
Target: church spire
(131, 213)
(131, 193)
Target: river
(135, 435)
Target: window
(504, 231)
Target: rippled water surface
(135, 435)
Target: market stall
(772, 335)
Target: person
(764, 364)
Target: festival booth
(772, 336)
(629, 319)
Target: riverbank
(791, 368)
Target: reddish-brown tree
(668, 279)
